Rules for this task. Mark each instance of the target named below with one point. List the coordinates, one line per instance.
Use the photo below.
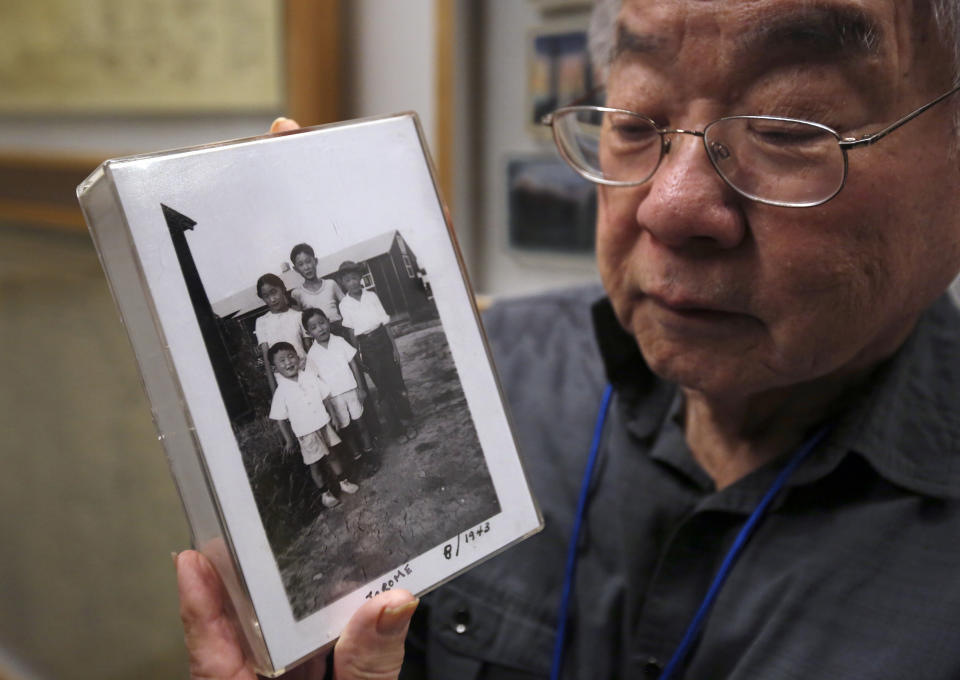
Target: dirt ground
(426, 490)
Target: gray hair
(602, 34)
(946, 17)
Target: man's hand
(284, 125)
(370, 647)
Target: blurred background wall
(88, 513)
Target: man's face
(731, 297)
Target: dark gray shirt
(854, 573)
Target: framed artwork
(559, 71)
(296, 44)
(550, 208)
(60, 56)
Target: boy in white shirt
(300, 408)
(364, 315)
(335, 361)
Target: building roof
(358, 252)
(247, 300)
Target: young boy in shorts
(335, 361)
(300, 408)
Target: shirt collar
(906, 423)
(284, 379)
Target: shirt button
(652, 668)
(461, 621)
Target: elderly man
(777, 485)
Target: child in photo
(300, 407)
(279, 324)
(335, 360)
(316, 293)
(325, 295)
(363, 314)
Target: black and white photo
(404, 460)
(317, 373)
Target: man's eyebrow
(631, 43)
(826, 30)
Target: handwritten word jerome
(391, 582)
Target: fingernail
(394, 620)
(280, 119)
(174, 556)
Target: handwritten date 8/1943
(451, 550)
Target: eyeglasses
(768, 159)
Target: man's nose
(687, 203)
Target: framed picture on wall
(103, 57)
(559, 70)
(550, 208)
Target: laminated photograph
(316, 369)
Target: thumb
(371, 646)
(282, 124)
(213, 644)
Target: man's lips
(690, 306)
(697, 317)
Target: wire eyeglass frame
(844, 144)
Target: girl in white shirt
(279, 324)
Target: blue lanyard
(746, 531)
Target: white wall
(390, 59)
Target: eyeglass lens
(777, 161)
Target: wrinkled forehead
(886, 35)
